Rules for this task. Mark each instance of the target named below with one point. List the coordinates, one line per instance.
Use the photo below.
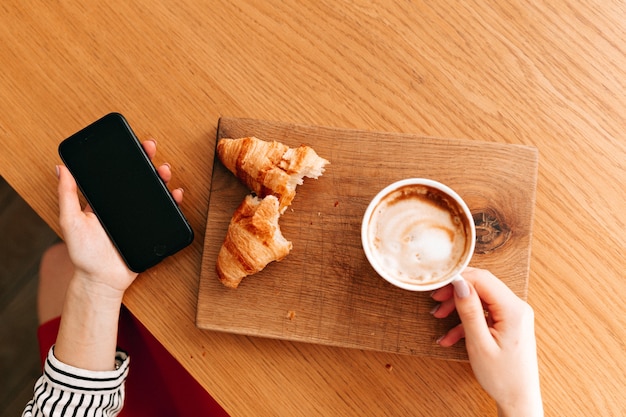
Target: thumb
(470, 310)
(69, 204)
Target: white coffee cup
(418, 234)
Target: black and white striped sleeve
(64, 390)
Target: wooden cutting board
(325, 291)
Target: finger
(490, 288)
(165, 172)
(453, 336)
(493, 292)
(177, 194)
(472, 315)
(444, 309)
(149, 146)
(69, 204)
(443, 294)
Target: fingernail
(434, 309)
(182, 190)
(58, 171)
(438, 341)
(461, 289)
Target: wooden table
(547, 75)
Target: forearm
(87, 335)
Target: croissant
(270, 168)
(253, 240)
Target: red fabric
(157, 384)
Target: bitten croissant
(253, 240)
(270, 168)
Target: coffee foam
(417, 234)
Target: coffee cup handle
(458, 277)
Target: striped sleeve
(64, 390)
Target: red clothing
(157, 385)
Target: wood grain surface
(325, 291)
(551, 75)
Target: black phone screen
(123, 188)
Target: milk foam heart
(417, 234)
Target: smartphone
(123, 188)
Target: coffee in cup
(418, 234)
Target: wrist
(530, 407)
(95, 290)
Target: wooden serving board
(325, 291)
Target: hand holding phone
(125, 192)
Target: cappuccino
(418, 234)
